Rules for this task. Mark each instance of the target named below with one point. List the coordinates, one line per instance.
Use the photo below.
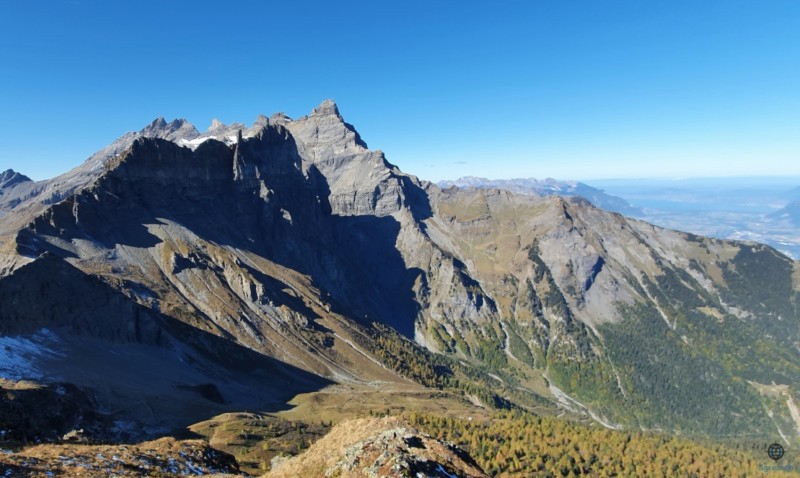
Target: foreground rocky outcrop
(386, 447)
(164, 457)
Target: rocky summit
(378, 447)
(176, 275)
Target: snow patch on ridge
(193, 143)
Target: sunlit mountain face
(180, 279)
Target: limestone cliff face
(288, 238)
(361, 181)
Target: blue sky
(566, 89)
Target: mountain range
(176, 275)
(790, 212)
(549, 187)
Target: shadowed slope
(148, 371)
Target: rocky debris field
(165, 457)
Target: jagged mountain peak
(216, 124)
(327, 108)
(158, 123)
(325, 125)
(179, 122)
(280, 118)
(181, 132)
(177, 128)
(10, 177)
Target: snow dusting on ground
(19, 355)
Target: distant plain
(740, 208)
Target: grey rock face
(174, 130)
(33, 197)
(361, 181)
(10, 178)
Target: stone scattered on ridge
(369, 447)
(162, 457)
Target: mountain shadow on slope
(148, 370)
(380, 282)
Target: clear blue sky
(568, 89)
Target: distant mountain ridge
(790, 212)
(549, 187)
